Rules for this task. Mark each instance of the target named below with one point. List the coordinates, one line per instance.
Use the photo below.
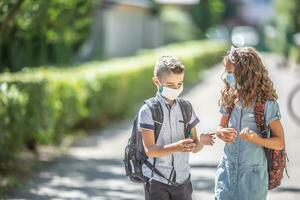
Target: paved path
(93, 168)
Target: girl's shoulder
(271, 104)
(272, 111)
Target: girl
(242, 173)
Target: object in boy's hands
(190, 135)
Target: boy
(170, 153)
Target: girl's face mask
(230, 79)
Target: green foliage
(288, 15)
(46, 103)
(175, 21)
(208, 13)
(12, 120)
(287, 23)
(40, 32)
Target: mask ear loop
(222, 76)
(160, 88)
(225, 72)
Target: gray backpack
(135, 155)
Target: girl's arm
(226, 134)
(275, 142)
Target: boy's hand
(228, 135)
(185, 145)
(207, 138)
(248, 135)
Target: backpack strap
(187, 111)
(259, 114)
(154, 170)
(157, 115)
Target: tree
(287, 21)
(208, 13)
(38, 32)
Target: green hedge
(47, 102)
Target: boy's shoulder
(145, 108)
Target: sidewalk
(93, 168)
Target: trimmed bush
(12, 115)
(47, 102)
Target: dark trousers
(155, 190)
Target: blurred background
(38, 33)
(73, 74)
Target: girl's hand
(207, 139)
(228, 135)
(248, 135)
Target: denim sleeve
(145, 120)
(272, 112)
(223, 111)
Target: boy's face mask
(168, 92)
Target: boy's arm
(192, 124)
(204, 139)
(196, 140)
(153, 150)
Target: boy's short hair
(166, 65)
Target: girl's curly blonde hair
(252, 79)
